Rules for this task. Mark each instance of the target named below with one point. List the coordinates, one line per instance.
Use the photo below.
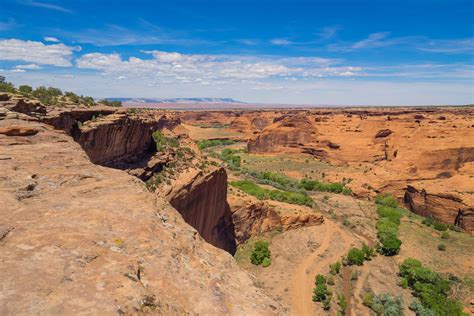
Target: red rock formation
(252, 217)
(445, 208)
(202, 201)
(77, 238)
(290, 131)
(119, 137)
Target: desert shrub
(346, 221)
(419, 309)
(260, 193)
(440, 226)
(162, 142)
(231, 158)
(335, 267)
(428, 221)
(431, 289)
(390, 245)
(203, 144)
(260, 253)
(330, 280)
(386, 305)
(266, 262)
(354, 275)
(341, 301)
(442, 247)
(403, 283)
(327, 303)
(368, 299)
(445, 235)
(315, 185)
(320, 290)
(6, 86)
(355, 257)
(369, 252)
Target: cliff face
(202, 201)
(77, 238)
(120, 137)
(287, 132)
(445, 208)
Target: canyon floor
(122, 211)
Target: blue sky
(297, 52)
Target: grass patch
(206, 143)
(260, 193)
(315, 185)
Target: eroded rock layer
(77, 238)
(446, 208)
(121, 137)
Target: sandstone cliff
(120, 137)
(287, 132)
(446, 208)
(77, 238)
(202, 201)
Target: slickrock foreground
(80, 238)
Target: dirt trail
(303, 281)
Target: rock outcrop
(120, 137)
(252, 217)
(202, 201)
(446, 208)
(78, 238)
(289, 131)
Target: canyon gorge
(125, 211)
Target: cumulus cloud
(208, 69)
(36, 52)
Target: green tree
(260, 252)
(25, 90)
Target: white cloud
(51, 39)
(28, 66)
(374, 40)
(448, 46)
(280, 41)
(36, 52)
(211, 69)
(46, 5)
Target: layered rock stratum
(79, 238)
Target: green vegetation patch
(315, 185)
(430, 288)
(260, 193)
(261, 254)
(387, 225)
(163, 142)
(206, 143)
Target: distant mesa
(175, 100)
